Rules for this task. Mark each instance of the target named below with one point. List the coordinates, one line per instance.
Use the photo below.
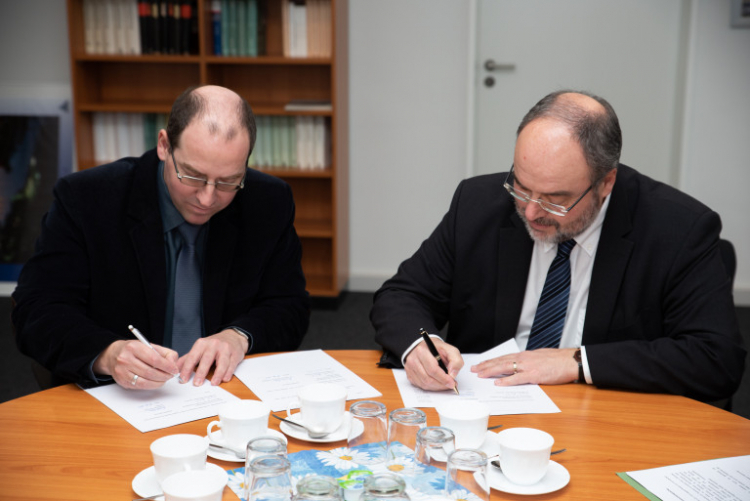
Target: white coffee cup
(239, 421)
(205, 485)
(322, 406)
(468, 421)
(524, 454)
(177, 453)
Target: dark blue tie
(186, 319)
(553, 304)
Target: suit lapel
(514, 258)
(147, 236)
(612, 256)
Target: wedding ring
(515, 368)
(134, 380)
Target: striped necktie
(186, 319)
(549, 320)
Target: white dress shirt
(581, 266)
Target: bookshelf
(149, 84)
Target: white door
(628, 51)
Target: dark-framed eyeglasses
(199, 182)
(557, 210)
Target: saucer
(223, 455)
(556, 478)
(145, 484)
(341, 433)
(490, 445)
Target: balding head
(592, 122)
(219, 110)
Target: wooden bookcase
(150, 83)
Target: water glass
(384, 487)
(262, 446)
(403, 425)
(269, 478)
(434, 446)
(317, 488)
(466, 475)
(374, 436)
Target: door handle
(491, 65)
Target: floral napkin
(343, 464)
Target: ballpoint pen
(143, 340)
(433, 350)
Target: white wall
(408, 87)
(716, 148)
(408, 106)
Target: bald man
(109, 252)
(647, 304)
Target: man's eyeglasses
(199, 182)
(557, 210)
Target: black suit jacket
(660, 314)
(100, 265)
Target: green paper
(635, 485)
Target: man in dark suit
(646, 304)
(112, 253)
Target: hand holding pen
(436, 354)
(143, 340)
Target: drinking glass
(269, 479)
(384, 487)
(317, 488)
(374, 436)
(262, 446)
(434, 445)
(467, 473)
(403, 425)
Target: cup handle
(210, 432)
(290, 406)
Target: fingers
(543, 366)
(423, 371)
(127, 359)
(223, 351)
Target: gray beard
(584, 221)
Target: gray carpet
(345, 327)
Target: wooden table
(63, 444)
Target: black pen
(433, 350)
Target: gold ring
(515, 368)
(135, 379)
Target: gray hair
(598, 133)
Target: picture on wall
(35, 150)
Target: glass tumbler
(262, 446)
(317, 488)
(269, 479)
(384, 487)
(403, 425)
(434, 445)
(466, 475)
(373, 439)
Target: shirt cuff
(100, 378)
(414, 345)
(243, 332)
(585, 364)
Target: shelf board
(300, 173)
(125, 107)
(269, 60)
(307, 228)
(136, 58)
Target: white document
(276, 378)
(523, 399)
(727, 479)
(170, 405)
